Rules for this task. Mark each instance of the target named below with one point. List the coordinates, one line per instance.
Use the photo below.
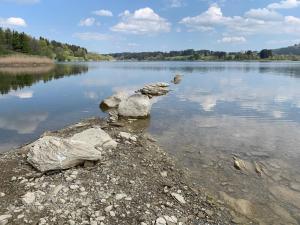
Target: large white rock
(156, 89)
(114, 100)
(137, 105)
(54, 153)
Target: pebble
(178, 197)
(74, 187)
(108, 208)
(2, 194)
(171, 219)
(161, 221)
(120, 196)
(28, 198)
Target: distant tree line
(18, 42)
(191, 54)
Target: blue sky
(158, 25)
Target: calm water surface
(219, 110)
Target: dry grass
(26, 69)
(22, 60)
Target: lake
(220, 110)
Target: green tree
(265, 53)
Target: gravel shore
(137, 183)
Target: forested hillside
(12, 42)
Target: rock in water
(241, 206)
(239, 164)
(54, 153)
(156, 89)
(113, 101)
(135, 106)
(177, 79)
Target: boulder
(54, 153)
(135, 106)
(156, 89)
(113, 101)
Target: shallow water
(219, 110)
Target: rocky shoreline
(135, 183)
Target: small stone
(120, 196)
(112, 213)
(108, 208)
(209, 212)
(171, 219)
(74, 187)
(161, 221)
(2, 194)
(178, 197)
(164, 173)
(100, 218)
(28, 198)
(239, 164)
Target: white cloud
(92, 36)
(233, 40)
(103, 12)
(263, 14)
(22, 94)
(12, 21)
(292, 20)
(91, 95)
(24, 123)
(87, 22)
(175, 3)
(255, 21)
(142, 21)
(285, 4)
(205, 21)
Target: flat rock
(95, 137)
(114, 100)
(54, 153)
(156, 89)
(241, 206)
(135, 106)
